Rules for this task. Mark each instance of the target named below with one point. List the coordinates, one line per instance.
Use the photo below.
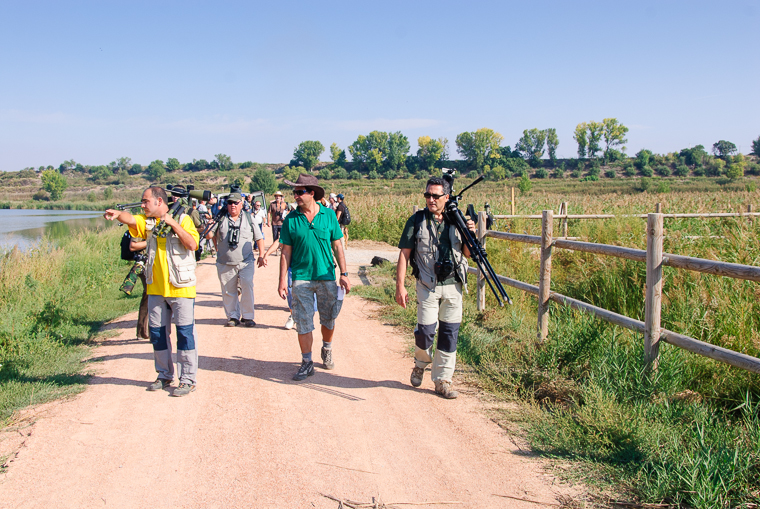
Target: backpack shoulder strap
(250, 219)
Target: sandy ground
(251, 437)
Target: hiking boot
(444, 389)
(306, 369)
(290, 323)
(232, 322)
(416, 378)
(248, 323)
(160, 383)
(327, 358)
(183, 390)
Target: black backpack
(126, 253)
(345, 218)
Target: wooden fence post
(513, 201)
(653, 305)
(545, 273)
(658, 208)
(749, 211)
(564, 220)
(482, 216)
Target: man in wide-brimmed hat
(310, 237)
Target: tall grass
(53, 302)
(688, 433)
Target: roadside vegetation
(54, 301)
(687, 434)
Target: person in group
(259, 216)
(437, 255)
(137, 245)
(275, 212)
(235, 236)
(340, 211)
(247, 206)
(199, 223)
(170, 274)
(310, 237)
(333, 201)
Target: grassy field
(53, 303)
(687, 434)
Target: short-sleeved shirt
(440, 230)
(244, 250)
(341, 207)
(277, 212)
(312, 255)
(161, 285)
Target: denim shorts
(328, 304)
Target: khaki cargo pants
(442, 310)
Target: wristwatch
(344, 274)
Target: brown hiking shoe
(416, 378)
(160, 383)
(443, 387)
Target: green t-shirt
(440, 231)
(312, 256)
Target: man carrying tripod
(170, 274)
(437, 255)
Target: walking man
(310, 237)
(170, 274)
(437, 255)
(235, 236)
(341, 212)
(276, 212)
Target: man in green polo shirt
(310, 237)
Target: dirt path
(250, 437)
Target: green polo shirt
(312, 256)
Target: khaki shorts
(328, 304)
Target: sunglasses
(433, 196)
(233, 202)
(300, 192)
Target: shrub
(663, 187)
(663, 171)
(699, 171)
(590, 178)
(390, 175)
(646, 171)
(735, 171)
(681, 171)
(610, 174)
(92, 197)
(751, 187)
(355, 175)
(576, 173)
(495, 174)
(472, 175)
(642, 184)
(715, 167)
(107, 193)
(263, 180)
(524, 185)
(422, 175)
(340, 173)
(41, 195)
(246, 164)
(629, 171)
(324, 174)
(373, 175)
(752, 169)
(541, 173)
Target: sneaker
(306, 369)
(327, 358)
(248, 323)
(160, 383)
(232, 322)
(444, 389)
(416, 378)
(290, 323)
(183, 390)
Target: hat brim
(319, 193)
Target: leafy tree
(724, 149)
(524, 185)
(681, 171)
(398, 148)
(552, 142)
(156, 170)
(429, 151)
(136, 169)
(756, 147)
(614, 135)
(515, 166)
(642, 158)
(307, 154)
(67, 165)
(479, 147)
(370, 151)
(223, 162)
(263, 180)
(715, 168)
(581, 137)
(123, 163)
(595, 133)
(337, 155)
(54, 183)
(246, 165)
(173, 164)
(291, 173)
(531, 146)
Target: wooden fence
(655, 260)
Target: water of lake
(25, 228)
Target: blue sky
(95, 81)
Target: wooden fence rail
(655, 260)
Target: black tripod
(454, 216)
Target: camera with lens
(444, 269)
(180, 192)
